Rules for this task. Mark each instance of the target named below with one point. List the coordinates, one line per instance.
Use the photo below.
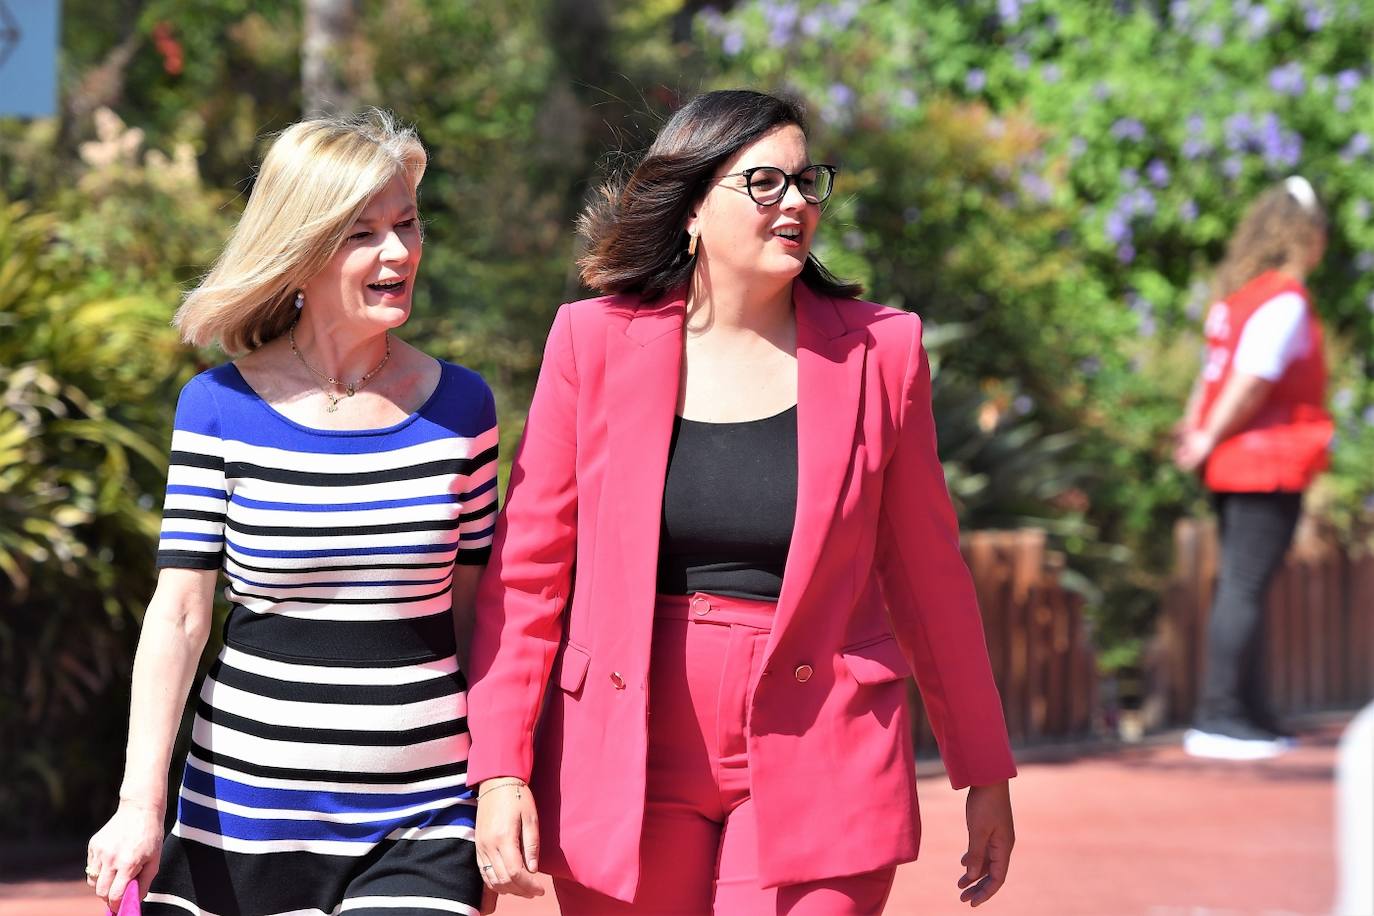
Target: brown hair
(1281, 227)
(636, 228)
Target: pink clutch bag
(131, 903)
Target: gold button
(700, 606)
(803, 673)
(617, 680)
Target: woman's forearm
(175, 629)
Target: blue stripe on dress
(182, 489)
(478, 491)
(344, 551)
(438, 499)
(234, 826)
(252, 796)
(190, 536)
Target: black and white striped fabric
(327, 770)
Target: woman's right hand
(508, 837)
(128, 846)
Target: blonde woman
(1258, 430)
(344, 483)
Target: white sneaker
(1224, 747)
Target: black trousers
(1256, 531)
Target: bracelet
(514, 782)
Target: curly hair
(1281, 228)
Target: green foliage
(91, 366)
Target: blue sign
(28, 57)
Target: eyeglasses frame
(788, 181)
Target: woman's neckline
(367, 431)
(775, 416)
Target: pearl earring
(300, 299)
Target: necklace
(350, 389)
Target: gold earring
(691, 244)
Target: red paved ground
(1143, 831)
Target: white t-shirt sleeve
(1275, 335)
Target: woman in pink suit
(726, 544)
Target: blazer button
(700, 606)
(617, 680)
(803, 673)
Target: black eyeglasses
(768, 184)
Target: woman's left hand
(990, 838)
(1193, 449)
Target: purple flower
(1129, 178)
(1009, 11)
(1188, 210)
(1343, 102)
(1021, 60)
(782, 22)
(975, 81)
(1287, 79)
(812, 24)
(732, 43)
(1158, 173)
(907, 97)
(844, 13)
(1211, 35)
(1194, 148)
(841, 96)
(1140, 202)
(1023, 404)
(1368, 416)
(1257, 22)
(1126, 253)
(1116, 227)
(1036, 186)
(1077, 147)
(1050, 73)
(1343, 399)
(1128, 129)
(1358, 146)
(1195, 124)
(1315, 17)
(1238, 129)
(1231, 167)
(1147, 325)
(1347, 80)
(1101, 91)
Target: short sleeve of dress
(193, 512)
(477, 521)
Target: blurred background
(1047, 182)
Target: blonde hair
(1281, 228)
(314, 183)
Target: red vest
(1284, 445)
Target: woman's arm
(520, 603)
(1241, 398)
(935, 618)
(175, 629)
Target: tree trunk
(327, 37)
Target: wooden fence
(1320, 620)
(1038, 643)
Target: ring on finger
(92, 871)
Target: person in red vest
(1257, 428)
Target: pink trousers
(699, 853)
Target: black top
(729, 501)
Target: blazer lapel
(830, 362)
(643, 370)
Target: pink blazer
(874, 589)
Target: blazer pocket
(877, 661)
(572, 669)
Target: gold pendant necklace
(350, 388)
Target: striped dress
(327, 768)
